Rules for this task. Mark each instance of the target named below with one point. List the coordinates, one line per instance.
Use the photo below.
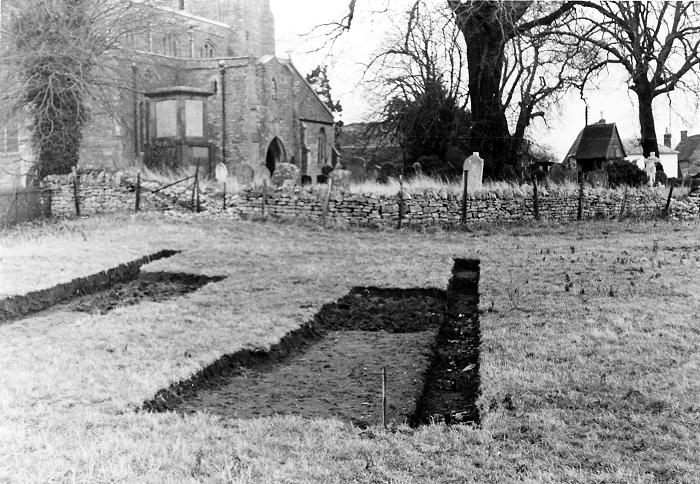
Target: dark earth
(332, 366)
(148, 287)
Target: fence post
(224, 196)
(75, 192)
(264, 197)
(536, 196)
(327, 200)
(196, 182)
(624, 204)
(138, 192)
(580, 195)
(401, 208)
(667, 210)
(465, 195)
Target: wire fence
(24, 205)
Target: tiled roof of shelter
(593, 141)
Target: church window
(322, 146)
(171, 45)
(274, 89)
(209, 50)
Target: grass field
(590, 354)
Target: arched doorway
(275, 154)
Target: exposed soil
(339, 376)
(155, 287)
(331, 367)
(452, 384)
(16, 307)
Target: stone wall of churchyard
(109, 192)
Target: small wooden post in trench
(384, 397)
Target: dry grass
(590, 368)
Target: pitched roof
(593, 141)
(633, 147)
(687, 147)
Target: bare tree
(59, 58)
(417, 78)
(656, 43)
(513, 69)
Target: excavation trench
(426, 339)
(103, 292)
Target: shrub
(661, 178)
(621, 172)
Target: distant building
(668, 157)
(688, 155)
(596, 145)
(203, 87)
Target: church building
(205, 87)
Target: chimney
(684, 135)
(667, 138)
(602, 118)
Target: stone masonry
(104, 193)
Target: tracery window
(322, 146)
(208, 50)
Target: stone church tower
(251, 21)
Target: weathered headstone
(341, 178)
(221, 173)
(356, 166)
(285, 172)
(244, 174)
(650, 168)
(475, 166)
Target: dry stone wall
(105, 192)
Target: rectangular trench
(426, 339)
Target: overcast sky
(294, 18)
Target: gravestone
(475, 166)
(356, 166)
(285, 174)
(650, 168)
(341, 178)
(221, 173)
(417, 169)
(244, 174)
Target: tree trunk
(485, 56)
(646, 120)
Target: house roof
(593, 141)
(633, 147)
(687, 147)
